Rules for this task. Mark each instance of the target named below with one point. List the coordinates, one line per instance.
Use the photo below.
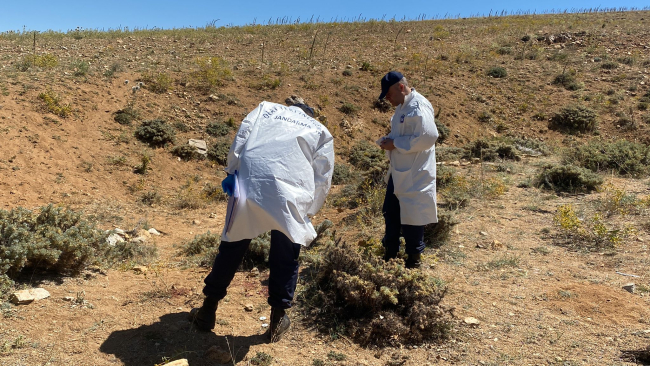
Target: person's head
(394, 88)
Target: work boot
(413, 260)
(279, 324)
(204, 317)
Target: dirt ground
(536, 302)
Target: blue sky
(64, 15)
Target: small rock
(114, 239)
(181, 362)
(213, 97)
(483, 233)
(23, 297)
(248, 307)
(496, 245)
(640, 239)
(254, 272)
(196, 222)
(213, 215)
(630, 287)
(153, 231)
(471, 321)
(119, 231)
(265, 325)
(140, 269)
(218, 355)
(262, 318)
(69, 298)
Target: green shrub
(219, 152)
(80, 68)
(202, 249)
(568, 178)
(438, 234)
(155, 132)
(574, 119)
(54, 105)
(497, 72)
(627, 60)
(127, 115)
(609, 65)
(53, 238)
(343, 175)
(375, 302)
(444, 175)
(365, 155)
(490, 151)
(218, 129)
(347, 73)
(113, 69)
(186, 152)
(567, 80)
(382, 105)
(622, 156)
(443, 132)
(504, 50)
(262, 359)
(449, 153)
(258, 252)
(349, 108)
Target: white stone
(471, 321)
(153, 231)
(23, 297)
(114, 239)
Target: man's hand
(228, 184)
(387, 144)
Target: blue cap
(389, 80)
(305, 108)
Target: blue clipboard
(232, 204)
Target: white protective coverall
(284, 161)
(413, 161)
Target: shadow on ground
(171, 338)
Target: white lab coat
(413, 161)
(284, 161)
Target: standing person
(410, 201)
(280, 168)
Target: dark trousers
(283, 264)
(413, 235)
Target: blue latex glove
(228, 184)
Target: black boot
(413, 260)
(279, 324)
(204, 317)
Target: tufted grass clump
(574, 119)
(497, 72)
(155, 132)
(373, 302)
(568, 178)
(438, 234)
(623, 157)
(443, 132)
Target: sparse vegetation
(622, 156)
(54, 105)
(497, 72)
